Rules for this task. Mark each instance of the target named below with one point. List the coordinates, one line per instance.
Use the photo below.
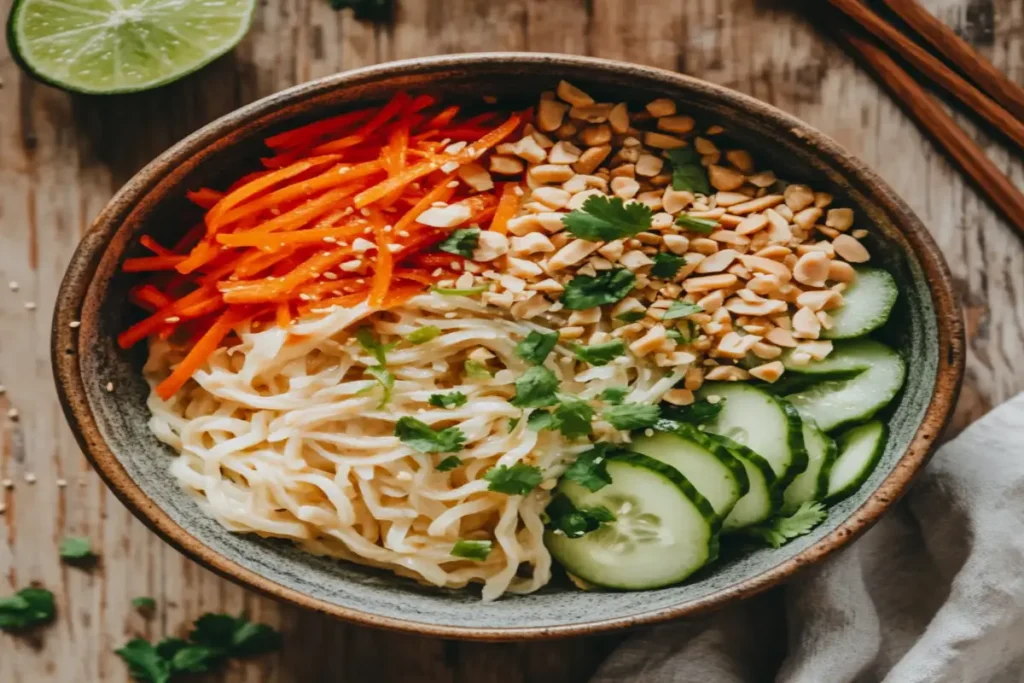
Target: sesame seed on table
(62, 157)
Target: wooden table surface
(63, 156)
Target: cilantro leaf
(471, 550)
(449, 463)
(607, 218)
(575, 522)
(461, 242)
(590, 468)
(517, 480)
(697, 412)
(629, 416)
(452, 399)
(27, 608)
(423, 334)
(540, 420)
(614, 395)
(678, 336)
(476, 370)
(703, 226)
(455, 291)
(681, 309)
(572, 417)
(75, 548)
(536, 347)
(600, 354)
(144, 602)
(385, 379)
(687, 171)
(583, 291)
(535, 388)
(512, 424)
(144, 662)
(364, 335)
(631, 316)
(421, 437)
(197, 659)
(780, 530)
(237, 636)
(666, 265)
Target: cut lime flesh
(115, 46)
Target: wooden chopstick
(932, 67)
(932, 117)
(941, 37)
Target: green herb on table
(779, 531)
(687, 171)
(681, 309)
(453, 399)
(607, 218)
(27, 608)
(517, 480)
(583, 291)
(564, 517)
(536, 346)
(75, 548)
(471, 550)
(423, 334)
(703, 226)
(144, 603)
(423, 438)
(666, 265)
(462, 242)
(629, 416)
(600, 354)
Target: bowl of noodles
(507, 346)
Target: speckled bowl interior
(112, 427)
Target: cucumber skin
(863, 271)
(821, 486)
(721, 452)
(869, 467)
(794, 381)
(774, 492)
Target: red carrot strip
(508, 205)
(149, 243)
(312, 131)
(204, 197)
(148, 326)
(149, 297)
(443, 118)
(273, 289)
(385, 261)
(151, 263)
(199, 353)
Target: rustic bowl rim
(83, 265)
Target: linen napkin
(934, 593)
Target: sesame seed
(13, 413)
(110, 387)
(394, 248)
(13, 284)
(437, 272)
(403, 233)
(714, 398)
(74, 324)
(8, 483)
(172, 319)
(30, 478)
(62, 483)
(330, 276)
(364, 211)
(330, 240)
(451, 314)
(453, 184)
(648, 432)
(30, 305)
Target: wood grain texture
(62, 156)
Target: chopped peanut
(662, 141)
(717, 262)
(551, 173)
(781, 337)
(798, 197)
(591, 159)
(841, 272)
(676, 124)
(850, 249)
(725, 179)
(532, 243)
(839, 219)
(650, 342)
(812, 269)
(625, 188)
(769, 372)
(568, 92)
(550, 114)
(490, 245)
(679, 397)
(709, 282)
(649, 165)
(661, 107)
(503, 165)
(727, 373)
(805, 324)
(572, 253)
(618, 118)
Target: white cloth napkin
(934, 593)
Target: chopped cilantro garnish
(535, 388)
(75, 548)
(512, 424)
(583, 291)
(703, 226)
(681, 309)
(573, 417)
(627, 416)
(540, 420)
(614, 395)
(590, 469)
(461, 242)
(423, 334)
(449, 463)
(471, 550)
(476, 370)
(687, 171)
(697, 412)
(517, 480)
(536, 346)
(385, 379)
(779, 531)
(607, 218)
(600, 354)
(575, 522)
(423, 438)
(454, 291)
(666, 265)
(453, 399)
(27, 608)
(631, 316)
(373, 346)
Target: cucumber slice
(867, 303)
(833, 404)
(706, 464)
(762, 422)
(664, 530)
(860, 449)
(762, 500)
(109, 46)
(812, 483)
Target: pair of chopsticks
(976, 83)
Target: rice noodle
(284, 436)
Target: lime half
(115, 46)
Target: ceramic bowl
(111, 427)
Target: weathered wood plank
(61, 157)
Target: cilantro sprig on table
(27, 608)
(607, 218)
(214, 639)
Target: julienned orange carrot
(204, 197)
(149, 243)
(283, 314)
(273, 289)
(385, 260)
(303, 213)
(202, 350)
(441, 192)
(151, 263)
(201, 254)
(312, 131)
(295, 238)
(142, 329)
(443, 118)
(507, 207)
(260, 184)
(149, 297)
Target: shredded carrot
(201, 254)
(507, 207)
(385, 259)
(305, 134)
(149, 243)
(140, 330)
(202, 350)
(204, 197)
(443, 118)
(272, 289)
(284, 314)
(149, 297)
(150, 263)
(297, 237)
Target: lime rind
(120, 46)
